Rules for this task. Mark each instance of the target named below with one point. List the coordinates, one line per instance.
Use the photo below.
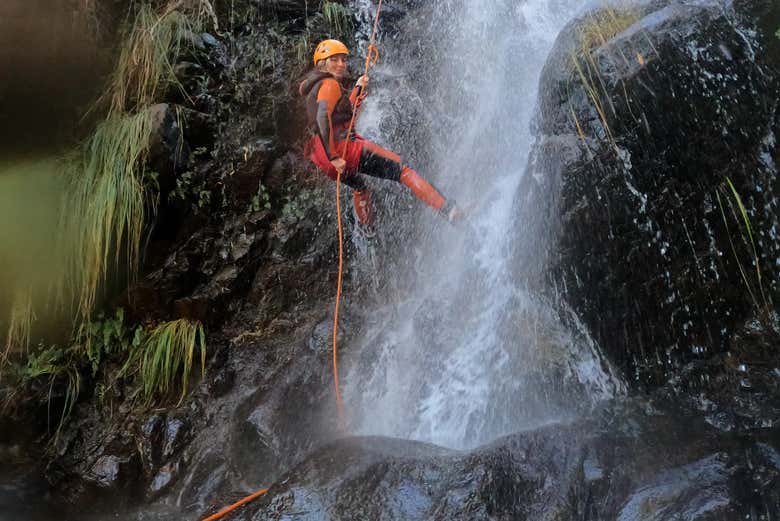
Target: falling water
(468, 353)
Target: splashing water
(470, 354)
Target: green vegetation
(297, 205)
(191, 189)
(150, 361)
(261, 200)
(740, 215)
(105, 203)
(105, 338)
(337, 16)
(168, 351)
(53, 366)
(104, 212)
(109, 196)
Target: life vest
(309, 89)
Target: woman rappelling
(329, 108)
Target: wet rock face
(168, 151)
(663, 152)
(245, 242)
(628, 463)
(278, 409)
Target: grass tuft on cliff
(601, 26)
(337, 16)
(170, 352)
(598, 28)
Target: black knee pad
(378, 166)
(355, 182)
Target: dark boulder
(659, 149)
(627, 463)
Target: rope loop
(372, 55)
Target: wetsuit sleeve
(327, 98)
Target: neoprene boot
(364, 211)
(451, 212)
(426, 193)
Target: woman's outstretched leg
(380, 162)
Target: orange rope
(222, 513)
(371, 57)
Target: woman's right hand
(339, 164)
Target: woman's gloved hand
(362, 82)
(339, 164)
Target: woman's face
(337, 65)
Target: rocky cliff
(654, 171)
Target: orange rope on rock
(372, 55)
(225, 511)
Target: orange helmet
(328, 48)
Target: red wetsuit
(329, 110)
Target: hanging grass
(105, 209)
(169, 351)
(22, 316)
(603, 25)
(156, 361)
(72, 378)
(145, 68)
(59, 370)
(108, 198)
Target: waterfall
(467, 353)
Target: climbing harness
(372, 56)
